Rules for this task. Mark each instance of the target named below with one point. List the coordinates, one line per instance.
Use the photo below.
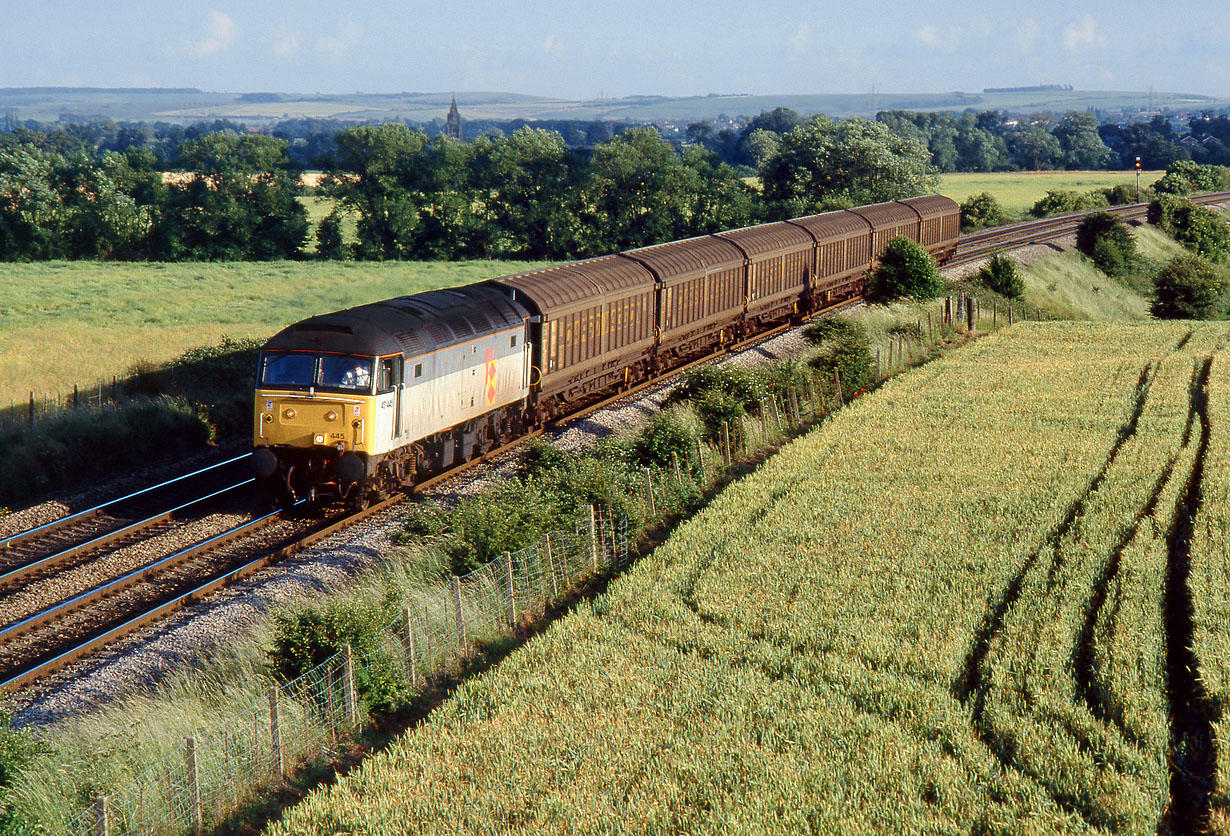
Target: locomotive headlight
(290, 413)
(356, 424)
(330, 416)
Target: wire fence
(215, 772)
(44, 406)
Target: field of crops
(66, 323)
(963, 605)
(1017, 191)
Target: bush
(905, 270)
(1106, 241)
(1185, 177)
(1000, 275)
(668, 433)
(847, 351)
(1123, 194)
(1062, 202)
(1189, 287)
(1199, 229)
(719, 394)
(980, 211)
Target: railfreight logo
(490, 376)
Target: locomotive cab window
(389, 375)
(288, 369)
(346, 371)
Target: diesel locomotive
(371, 399)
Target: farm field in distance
(1018, 191)
(954, 607)
(66, 323)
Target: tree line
(410, 196)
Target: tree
(905, 269)
(1189, 287)
(823, 164)
(637, 193)
(1034, 147)
(1195, 227)
(527, 184)
(240, 201)
(1082, 146)
(368, 183)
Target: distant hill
(49, 104)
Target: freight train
(372, 399)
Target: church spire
(452, 124)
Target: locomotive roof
(411, 325)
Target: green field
(66, 323)
(951, 609)
(1018, 191)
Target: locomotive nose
(264, 463)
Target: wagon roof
(930, 205)
(886, 213)
(767, 238)
(832, 224)
(681, 258)
(558, 287)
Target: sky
(582, 50)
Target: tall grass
(876, 632)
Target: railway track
(37, 643)
(982, 244)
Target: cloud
(551, 46)
(285, 42)
(800, 37)
(345, 39)
(1080, 33)
(928, 36)
(218, 36)
(1026, 31)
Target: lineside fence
(43, 406)
(215, 772)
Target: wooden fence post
(194, 784)
(461, 621)
(726, 442)
(549, 551)
(102, 817)
(277, 759)
(653, 512)
(510, 587)
(350, 702)
(970, 313)
(593, 533)
(412, 662)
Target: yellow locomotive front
(313, 420)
